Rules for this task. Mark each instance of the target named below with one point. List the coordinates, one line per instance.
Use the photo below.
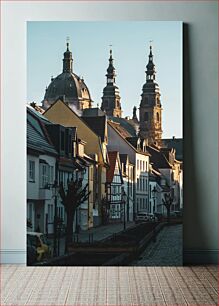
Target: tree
(105, 210)
(72, 198)
(167, 202)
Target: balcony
(45, 194)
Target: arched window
(146, 116)
(158, 117)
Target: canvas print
(104, 144)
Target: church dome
(69, 86)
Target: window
(51, 174)
(31, 170)
(61, 213)
(30, 209)
(62, 141)
(143, 166)
(114, 190)
(70, 144)
(61, 177)
(158, 117)
(44, 175)
(137, 164)
(146, 116)
(140, 165)
(50, 213)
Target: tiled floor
(108, 285)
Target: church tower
(111, 99)
(150, 110)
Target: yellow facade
(60, 113)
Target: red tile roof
(113, 155)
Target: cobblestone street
(166, 251)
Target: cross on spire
(151, 41)
(67, 42)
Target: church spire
(111, 98)
(150, 72)
(67, 60)
(111, 72)
(134, 114)
(150, 110)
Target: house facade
(96, 148)
(114, 184)
(41, 164)
(138, 156)
(128, 179)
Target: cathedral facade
(75, 93)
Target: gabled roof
(125, 124)
(134, 141)
(120, 129)
(158, 159)
(130, 145)
(97, 124)
(113, 157)
(93, 112)
(177, 144)
(139, 144)
(37, 138)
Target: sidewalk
(103, 231)
(99, 233)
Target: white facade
(114, 194)
(155, 198)
(128, 179)
(141, 167)
(174, 181)
(142, 182)
(40, 201)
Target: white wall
(200, 93)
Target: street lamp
(154, 191)
(55, 190)
(124, 197)
(79, 175)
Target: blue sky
(89, 43)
